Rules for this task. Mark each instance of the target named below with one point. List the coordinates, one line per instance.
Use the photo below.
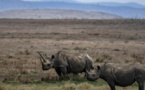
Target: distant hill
(126, 10)
(56, 14)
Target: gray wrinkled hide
(66, 62)
(121, 75)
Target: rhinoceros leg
(64, 71)
(140, 81)
(111, 84)
(58, 72)
(141, 85)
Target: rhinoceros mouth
(44, 69)
(91, 79)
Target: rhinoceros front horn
(41, 58)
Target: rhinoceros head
(93, 74)
(46, 61)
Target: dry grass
(119, 41)
(65, 86)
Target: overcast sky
(92, 1)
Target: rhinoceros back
(75, 62)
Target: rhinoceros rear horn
(87, 71)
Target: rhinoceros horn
(41, 58)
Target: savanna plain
(118, 41)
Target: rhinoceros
(118, 74)
(66, 62)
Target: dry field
(118, 41)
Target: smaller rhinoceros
(66, 62)
(117, 74)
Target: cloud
(93, 1)
(43, 0)
(118, 1)
(33, 0)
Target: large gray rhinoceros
(65, 62)
(121, 75)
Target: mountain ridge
(125, 10)
(55, 14)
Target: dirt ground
(118, 41)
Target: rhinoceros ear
(52, 57)
(98, 67)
